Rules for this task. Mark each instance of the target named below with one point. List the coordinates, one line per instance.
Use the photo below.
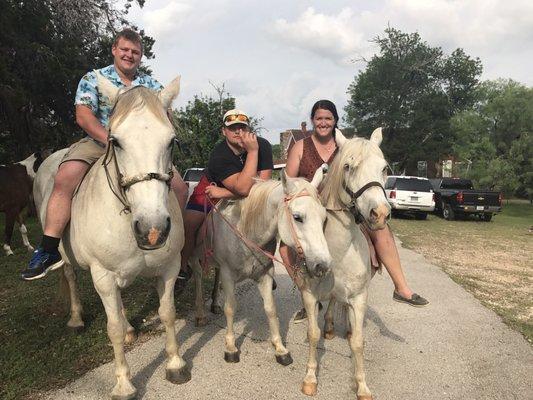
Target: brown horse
(16, 181)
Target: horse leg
(283, 356)
(176, 369)
(329, 330)
(8, 231)
(215, 307)
(104, 282)
(356, 314)
(201, 319)
(130, 336)
(309, 385)
(75, 322)
(24, 232)
(346, 312)
(231, 354)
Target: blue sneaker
(40, 263)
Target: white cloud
(333, 36)
(163, 21)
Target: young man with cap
(232, 167)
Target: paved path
(452, 349)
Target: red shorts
(198, 200)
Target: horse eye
(346, 167)
(115, 141)
(297, 217)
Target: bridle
(354, 209)
(300, 254)
(125, 182)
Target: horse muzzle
(378, 217)
(319, 269)
(151, 236)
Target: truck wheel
(421, 216)
(448, 213)
(486, 217)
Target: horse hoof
(364, 397)
(76, 330)
(309, 389)
(232, 357)
(329, 335)
(124, 396)
(30, 249)
(200, 321)
(9, 253)
(284, 359)
(216, 309)
(130, 338)
(178, 376)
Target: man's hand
(215, 192)
(249, 141)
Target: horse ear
(339, 138)
(377, 136)
(170, 92)
(288, 185)
(106, 88)
(319, 175)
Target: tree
(412, 89)
(46, 46)
(496, 136)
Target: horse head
(141, 139)
(301, 219)
(357, 177)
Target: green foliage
(495, 136)
(412, 89)
(46, 46)
(276, 151)
(199, 127)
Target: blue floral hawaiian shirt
(87, 93)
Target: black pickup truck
(455, 197)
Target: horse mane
(352, 153)
(252, 215)
(137, 97)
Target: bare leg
(309, 385)
(192, 220)
(388, 254)
(176, 369)
(68, 177)
(75, 322)
(356, 313)
(283, 356)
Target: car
(456, 197)
(192, 177)
(410, 194)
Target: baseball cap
(236, 116)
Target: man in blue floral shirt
(92, 115)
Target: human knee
(68, 178)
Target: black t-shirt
(223, 162)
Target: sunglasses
(236, 117)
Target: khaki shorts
(86, 150)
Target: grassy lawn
(38, 352)
(491, 260)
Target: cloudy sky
(278, 57)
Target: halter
(299, 249)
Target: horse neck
(268, 232)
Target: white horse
(125, 220)
(353, 185)
(291, 209)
